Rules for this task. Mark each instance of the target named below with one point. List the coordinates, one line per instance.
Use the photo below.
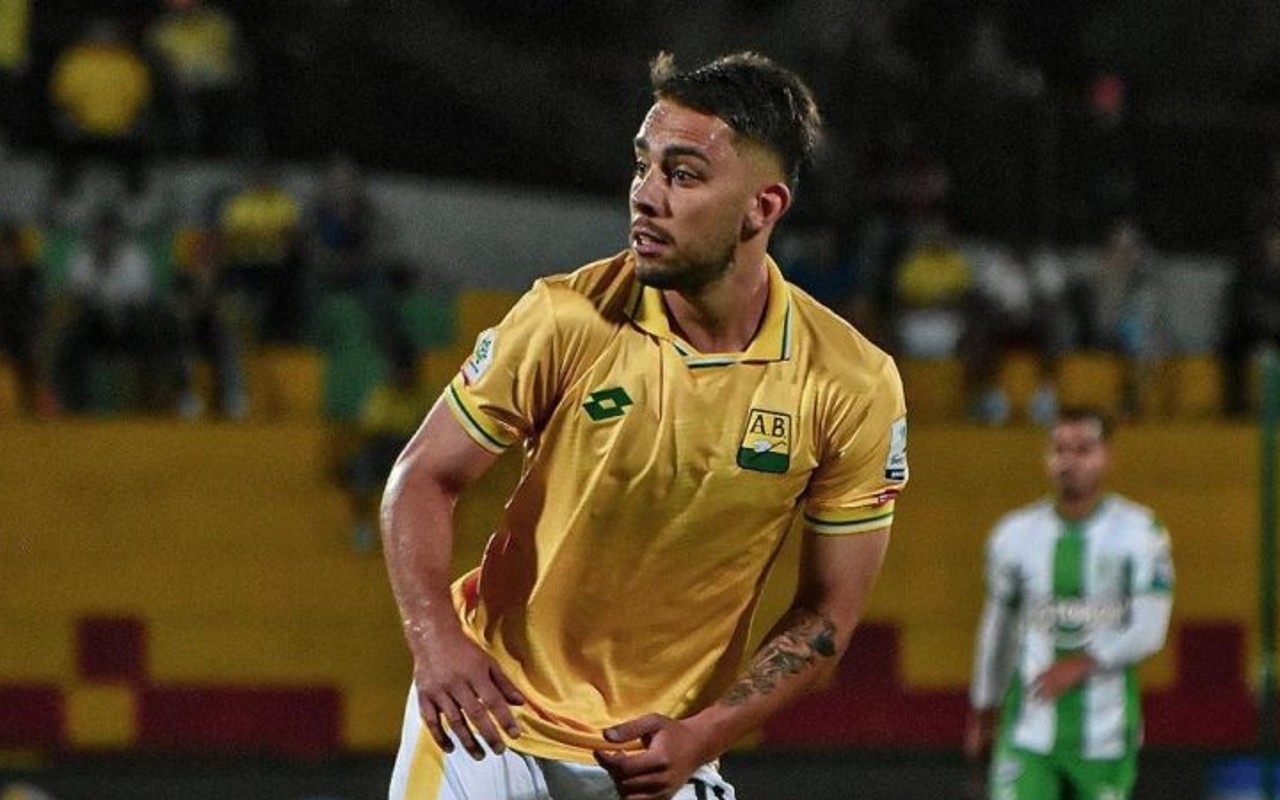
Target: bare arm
(836, 577)
(457, 683)
(992, 668)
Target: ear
(768, 205)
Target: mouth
(647, 240)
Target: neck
(722, 317)
(1075, 508)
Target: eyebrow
(674, 150)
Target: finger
(458, 726)
(642, 789)
(623, 766)
(650, 789)
(648, 782)
(610, 760)
(614, 762)
(430, 717)
(512, 694)
(497, 704)
(636, 728)
(478, 715)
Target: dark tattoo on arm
(799, 641)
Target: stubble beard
(1075, 489)
(685, 275)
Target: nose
(645, 197)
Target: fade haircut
(761, 101)
(1072, 414)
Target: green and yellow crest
(766, 443)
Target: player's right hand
(461, 690)
(979, 732)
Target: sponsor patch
(605, 404)
(895, 467)
(481, 357)
(766, 443)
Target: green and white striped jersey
(1101, 585)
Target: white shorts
(425, 772)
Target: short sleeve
(863, 463)
(509, 383)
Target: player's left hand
(1061, 677)
(672, 752)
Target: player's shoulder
(599, 292)
(1025, 520)
(835, 346)
(1134, 516)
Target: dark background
(549, 94)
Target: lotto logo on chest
(766, 443)
(607, 403)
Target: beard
(1073, 488)
(686, 274)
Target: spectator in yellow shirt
(261, 226)
(15, 60)
(204, 70)
(101, 92)
(930, 289)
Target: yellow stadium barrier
(286, 383)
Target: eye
(683, 175)
(638, 168)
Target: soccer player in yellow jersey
(681, 409)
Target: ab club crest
(766, 443)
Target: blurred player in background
(1079, 592)
(679, 406)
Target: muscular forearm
(417, 535)
(836, 576)
(797, 653)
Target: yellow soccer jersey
(658, 486)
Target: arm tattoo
(802, 638)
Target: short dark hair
(1069, 414)
(762, 101)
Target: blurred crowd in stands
(108, 302)
(117, 303)
(925, 291)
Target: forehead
(670, 125)
(1077, 433)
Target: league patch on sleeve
(1162, 574)
(895, 467)
(481, 357)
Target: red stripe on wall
(1209, 703)
(32, 716)
(111, 649)
(867, 704)
(288, 720)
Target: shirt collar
(772, 342)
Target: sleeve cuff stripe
(849, 526)
(472, 425)
(849, 516)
